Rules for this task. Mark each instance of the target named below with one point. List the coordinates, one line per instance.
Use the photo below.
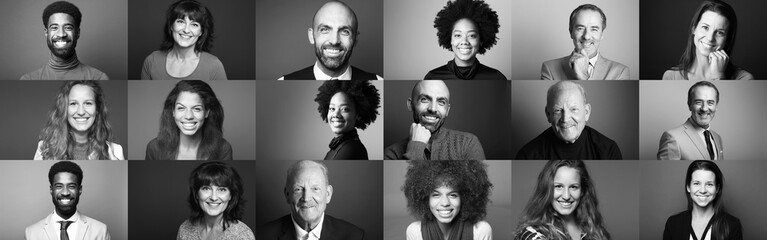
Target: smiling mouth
(81, 119)
(60, 43)
(464, 50)
(445, 213)
(189, 125)
(333, 52)
(430, 118)
(337, 123)
(565, 204)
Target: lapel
(288, 232)
(689, 129)
(83, 226)
(718, 143)
(327, 228)
(600, 69)
(50, 229)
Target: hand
(717, 64)
(419, 133)
(579, 62)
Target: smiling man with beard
(587, 25)
(62, 30)
(694, 140)
(334, 35)
(66, 222)
(430, 104)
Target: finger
(724, 54)
(583, 51)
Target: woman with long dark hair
(346, 106)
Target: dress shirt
(73, 227)
(314, 234)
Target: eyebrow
(178, 103)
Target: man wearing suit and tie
(587, 26)
(694, 140)
(66, 222)
(308, 191)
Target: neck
(467, 63)
(701, 212)
(700, 65)
(698, 125)
(445, 227)
(66, 215)
(59, 63)
(306, 225)
(333, 73)
(80, 137)
(213, 222)
(186, 141)
(183, 53)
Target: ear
(287, 194)
(310, 34)
(77, 34)
(330, 193)
(410, 104)
(588, 111)
(207, 112)
(447, 110)
(688, 188)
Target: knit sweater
(445, 144)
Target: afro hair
(478, 12)
(362, 92)
(62, 7)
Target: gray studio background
(662, 194)
(411, 43)
(616, 184)
(102, 43)
(666, 26)
(104, 196)
(613, 112)
(357, 196)
(32, 100)
(477, 107)
(282, 44)
(739, 116)
(237, 97)
(290, 126)
(499, 210)
(158, 192)
(233, 45)
(540, 34)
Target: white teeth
(60, 43)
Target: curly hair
(57, 138)
(212, 129)
(719, 222)
(478, 12)
(688, 57)
(62, 7)
(540, 214)
(366, 99)
(222, 175)
(196, 12)
(468, 177)
(65, 166)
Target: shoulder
(342, 225)
(352, 149)
(396, 149)
(116, 150)
(599, 138)
(94, 224)
(210, 58)
(439, 73)
(482, 228)
(93, 73)
(33, 75)
(413, 231)
(613, 64)
(672, 74)
(37, 225)
(187, 230)
(535, 148)
(154, 57)
(240, 230)
(741, 74)
(730, 219)
(490, 73)
(681, 218)
(274, 228)
(460, 134)
(530, 233)
(557, 61)
(306, 73)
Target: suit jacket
(678, 227)
(88, 229)
(683, 143)
(332, 228)
(559, 69)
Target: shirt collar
(74, 218)
(300, 232)
(593, 61)
(320, 75)
(698, 128)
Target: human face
(213, 199)
(190, 113)
(65, 193)
(61, 35)
(430, 104)
(186, 32)
(710, 34)
(81, 108)
(587, 31)
(568, 112)
(567, 190)
(333, 36)
(445, 204)
(703, 105)
(702, 187)
(308, 195)
(465, 42)
(342, 114)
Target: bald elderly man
(568, 137)
(334, 35)
(430, 104)
(308, 192)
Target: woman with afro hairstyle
(466, 27)
(449, 199)
(346, 106)
(564, 205)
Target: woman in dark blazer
(346, 106)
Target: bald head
(430, 86)
(567, 110)
(430, 103)
(562, 87)
(335, 13)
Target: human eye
(575, 187)
(197, 109)
(423, 100)
(324, 30)
(223, 189)
(456, 35)
(558, 186)
(53, 27)
(434, 194)
(195, 24)
(442, 102)
(454, 195)
(346, 32)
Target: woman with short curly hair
(449, 199)
(346, 106)
(466, 27)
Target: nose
(566, 195)
(432, 106)
(186, 27)
(333, 38)
(80, 110)
(443, 201)
(214, 195)
(188, 114)
(335, 113)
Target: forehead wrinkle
(334, 9)
(431, 88)
(562, 87)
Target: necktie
(64, 226)
(709, 144)
(591, 69)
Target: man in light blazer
(694, 140)
(66, 222)
(587, 25)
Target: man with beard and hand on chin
(334, 35)
(62, 30)
(587, 25)
(66, 222)
(308, 192)
(695, 140)
(430, 104)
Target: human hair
(721, 228)
(540, 214)
(558, 87)
(701, 84)
(584, 7)
(196, 12)
(65, 166)
(221, 175)
(293, 170)
(62, 7)
(476, 11)
(365, 96)
(57, 137)
(469, 178)
(212, 129)
(721, 8)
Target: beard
(63, 53)
(333, 63)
